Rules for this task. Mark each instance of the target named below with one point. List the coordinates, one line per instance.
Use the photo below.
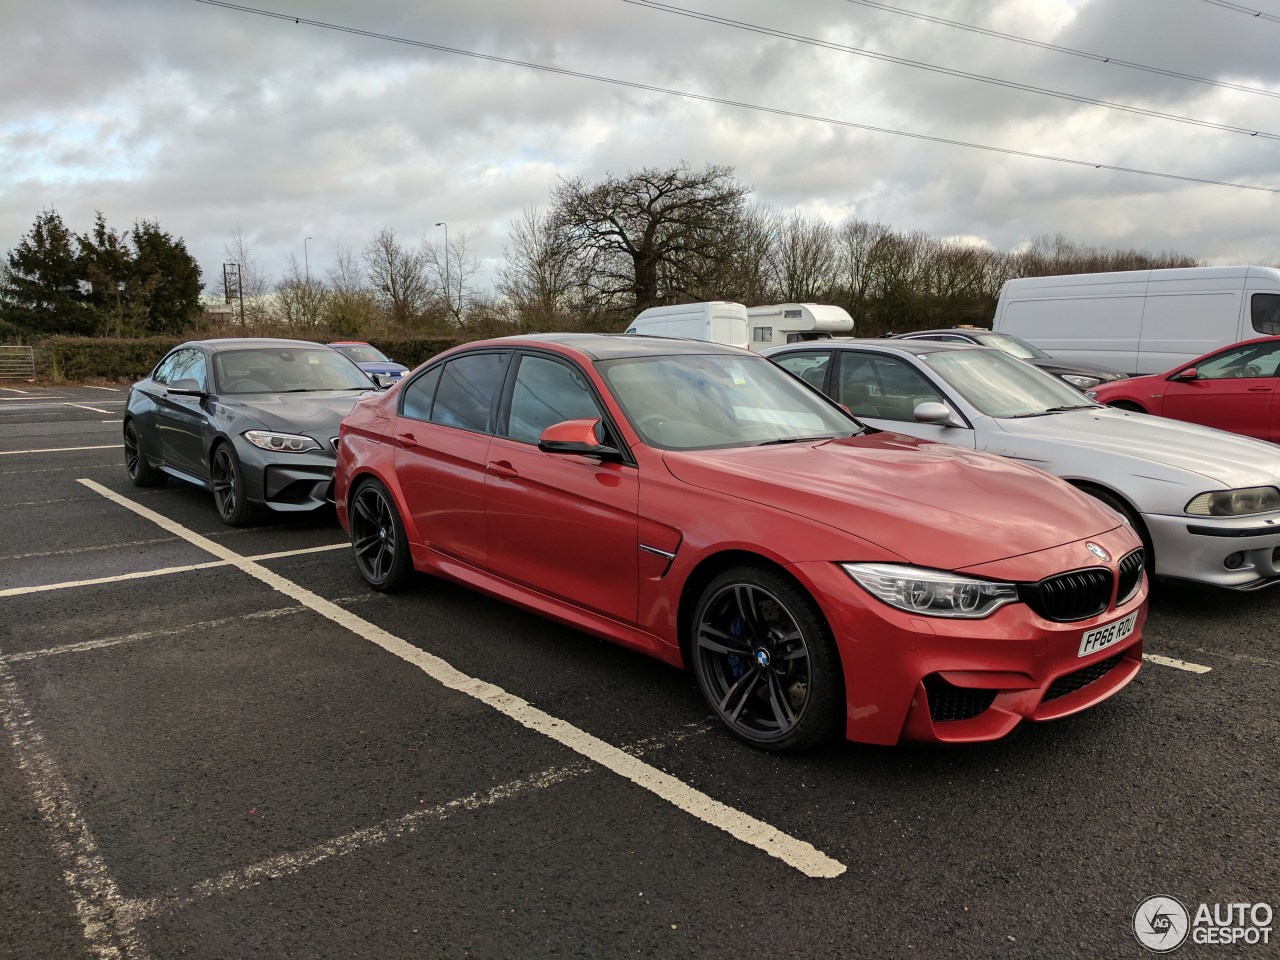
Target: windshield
(701, 402)
(1011, 345)
(361, 352)
(1001, 386)
(286, 370)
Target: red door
(1234, 390)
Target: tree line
(591, 260)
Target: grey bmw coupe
(255, 421)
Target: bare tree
(449, 273)
(397, 277)
(858, 243)
(538, 276)
(652, 237)
(804, 260)
(255, 284)
(300, 298)
(351, 308)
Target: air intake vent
(1081, 678)
(1070, 596)
(949, 702)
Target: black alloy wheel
(140, 470)
(765, 661)
(228, 487)
(378, 538)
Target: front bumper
(941, 680)
(287, 483)
(1200, 548)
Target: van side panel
(1177, 325)
(1094, 329)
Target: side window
(163, 372)
(468, 386)
(885, 387)
(547, 392)
(418, 395)
(1264, 310)
(810, 366)
(762, 334)
(188, 365)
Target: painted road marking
(85, 406)
(166, 571)
(104, 446)
(13, 390)
(799, 854)
(97, 900)
(1176, 664)
(111, 389)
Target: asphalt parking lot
(219, 743)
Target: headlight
(280, 442)
(1234, 503)
(932, 593)
(1081, 382)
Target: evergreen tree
(41, 293)
(166, 276)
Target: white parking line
(97, 900)
(165, 571)
(797, 853)
(104, 446)
(85, 406)
(110, 389)
(12, 390)
(1176, 664)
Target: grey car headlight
(1234, 503)
(280, 442)
(931, 593)
(1080, 381)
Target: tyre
(228, 487)
(1122, 507)
(378, 539)
(765, 660)
(139, 468)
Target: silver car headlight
(1081, 382)
(931, 593)
(1234, 503)
(280, 442)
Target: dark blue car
(371, 360)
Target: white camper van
(1141, 321)
(772, 326)
(720, 321)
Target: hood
(383, 366)
(1059, 367)
(930, 503)
(1228, 458)
(317, 413)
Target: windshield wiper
(777, 440)
(1078, 406)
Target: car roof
(897, 345)
(223, 344)
(617, 346)
(955, 331)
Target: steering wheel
(1252, 370)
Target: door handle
(406, 441)
(1260, 389)
(502, 469)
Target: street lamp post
(306, 259)
(448, 294)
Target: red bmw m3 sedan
(699, 504)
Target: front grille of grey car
(1069, 596)
(1131, 566)
(948, 702)
(1079, 679)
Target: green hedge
(124, 361)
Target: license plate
(1101, 637)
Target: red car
(1233, 389)
(697, 503)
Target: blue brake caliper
(736, 664)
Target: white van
(772, 326)
(1141, 321)
(720, 321)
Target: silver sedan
(1206, 503)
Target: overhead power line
(1240, 8)
(703, 98)
(1098, 57)
(948, 71)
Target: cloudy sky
(215, 120)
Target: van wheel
(1121, 507)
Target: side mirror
(186, 387)
(931, 411)
(581, 437)
(1191, 373)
